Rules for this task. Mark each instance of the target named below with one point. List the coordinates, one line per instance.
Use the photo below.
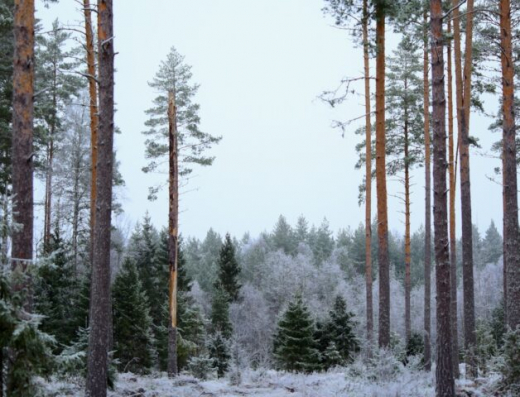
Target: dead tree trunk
(428, 206)
(173, 234)
(92, 86)
(382, 209)
(511, 253)
(22, 149)
(444, 374)
(453, 237)
(368, 180)
(97, 365)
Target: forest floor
(268, 383)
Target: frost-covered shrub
(201, 367)
(384, 366)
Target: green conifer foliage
(57, 293)
(492, 245)
(175, 76)
(134, 341)
(220, 314)
(228, 270)
(218, 348)
(337, 330)
(31, 349)
(294, 343)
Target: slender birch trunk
(453, 237)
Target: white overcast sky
(261, 66)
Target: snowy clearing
(276, 384)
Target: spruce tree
(220, 314)
(134, 342)
(218, 348)
(492, 245)
(57, 292)
(228, 270)
(294, 343)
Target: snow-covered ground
(268, 383)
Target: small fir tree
(57, 293)
(294, 344)
(218, 348)
(134, 342)
(228, 270)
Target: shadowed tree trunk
(382, 209)
(173, 220)
(444, 374)
(368, 180)
(428, 206)
(92, 89)
(97, 366)
(511, 252)
(22, 144)
(465, 190)
(453, 237)
(407, 250)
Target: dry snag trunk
(92, 88)
(368, 180)
(97, 366)
(173, 222)
(22, 145)
(428, 207)
(444, 374)
(511, 253)
(382, 210)
(453, 238)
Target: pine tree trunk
(382, 210)
(50, 163)
(97, 366)
(22, 145)
(444, 374)
(465, 194)
(511, 253)
(92, 88)
(407, 250)
(173, 234)
(368, 180)
(453, 238)
(428, 208)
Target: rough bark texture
(92, 89)
(444, 374)
(100, 288)
(368, 180)
(511, 253)
(407, 248)
(453, 237)
(22, 149)
(173, 219)
(428, 209)
(465, 195)
(382, 210)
